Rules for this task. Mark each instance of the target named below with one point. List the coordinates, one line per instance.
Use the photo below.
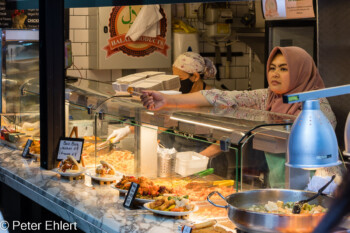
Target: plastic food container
(188, 163)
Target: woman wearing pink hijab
(289, 70)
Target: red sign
(121, 19)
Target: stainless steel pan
(250, 221)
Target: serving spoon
(297, 205)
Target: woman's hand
(153, 100)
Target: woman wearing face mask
(289, 70)
(192, 69)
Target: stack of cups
(166, 162)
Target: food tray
(190, 162)
(170, 82)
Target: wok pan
(254, 222)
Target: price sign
(187, 229)
(26, 148)
(70, 146)
(130, 196)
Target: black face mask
(186, 85)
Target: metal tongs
(199, 174)
(298, 205)
(103, 145)
(133, 92)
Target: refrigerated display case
(95, 111)
(240, 133)
(20, 64)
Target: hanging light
(312, 142)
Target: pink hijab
(303, 76)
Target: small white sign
(70, 146)
(288, 9)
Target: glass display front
(233, 141)
(20, 118)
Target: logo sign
(70, 146)
(26, 148)
(130, 196)
(121, 19)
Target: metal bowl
(250, 221)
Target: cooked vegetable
(280, 207)
(172, 203)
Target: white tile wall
(102, 75)
(82, 22)
(81, 11)
(71, 36)
(79, 49)
(81, 35)
(78, 22)
(242, 84)
(81, 62)
(239, 71)
(229, 83)
(77, 73)
(242, 61)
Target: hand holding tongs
(297, 205)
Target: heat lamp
(312, 141)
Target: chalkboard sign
(25, 152)
(70, 146)
(130, 196)
(187, 229)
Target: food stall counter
(93, 208)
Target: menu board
(70, 146)
(18, 19)
(288, 9)
(26, 148)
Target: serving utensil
(132, 91)
(200, 174)
(298, 205)
(103, 145)
(209, 184)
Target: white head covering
(191, 62)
